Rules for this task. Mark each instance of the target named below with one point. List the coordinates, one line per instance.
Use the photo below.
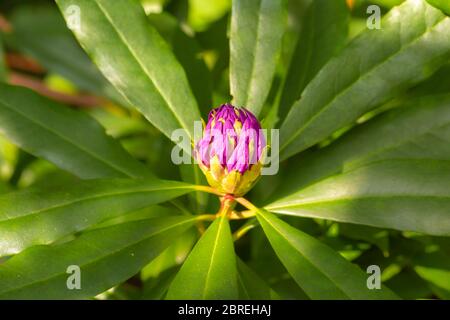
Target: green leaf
(420, 129)
(71, 140)
(41, 33)
(413, 42)
(41, 216)
(209, 272)
(136, 60)
(324, 32)
(257, 28)
(188, 52)
(387, 194)
(105, 257)
(251, 286)
(320, 271)
(444, 5)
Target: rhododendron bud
(231, 150)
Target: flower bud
(231, 150)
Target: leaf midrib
(358, 79)
(208, 273)
(255, 54)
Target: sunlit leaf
(324, 33)
(136, 60)
(387, 194)
(257, 28)
(420, 129)
(41, 216)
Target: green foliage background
(87, 178)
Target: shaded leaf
(71, 140)
(251, 286)
(434, 267)
(408, 285)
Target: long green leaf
(420, 129)
(323, 34)
(41, 216)
(105, 257)
(70, 139)
(136, 60)
(320, 271)
(257, 28)
(373, 68)
(210, 271)
(406, 194)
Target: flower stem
(250, 206)
(238, 215)
(244, 229)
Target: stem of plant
(244, 229)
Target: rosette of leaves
(364, 176)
